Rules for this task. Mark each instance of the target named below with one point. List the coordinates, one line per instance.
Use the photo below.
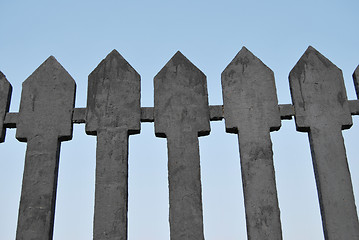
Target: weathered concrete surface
(356, 80)
(113, 96)
(113, 112)
(251, 110)
(182, 114)
(318, 92)
(5, 97)
(181, 98)
(111, 195)
(45, 119)
(322, 109)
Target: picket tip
(179, 53)
(244, 57)
(245, 52)
(50, 68)
(114, 51)
(313, 58)
(115, 54)
(244, 48)
(311, 51)
(311, 48)
(178, 59)
(52, 57)
(114, 62)
(241, 61)
(51, 60)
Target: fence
(181, 114)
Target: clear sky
(147, 34)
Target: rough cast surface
(322, 109)
(45, 119)
(251, 110)
(5, 96)
(113, 112)
(182, 114)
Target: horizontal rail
(216, 113)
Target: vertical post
(322, 110)
(251, 111)
(181, 114)
(113, 113)
(5, 97)
(45, 119)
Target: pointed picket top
(114, 61)
(181, 98)
(356, 80)
(5, 97)
(318, 92)
(47, 102)
(113, 96)
(249, 94)
(179, 61)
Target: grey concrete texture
(181, 113)
(251, 110)
(249, 94)
(5, 97)
(47, 103)
(356, 80)
(181, 98)
(113, 96)
(318, 92)
(185, 191)
(45, 119)
(38, 193)
(322, 109)
(111, 188)
(113, 112)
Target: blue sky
(147, 34)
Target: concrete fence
(181, 114)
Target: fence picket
(251, 111)
(181, 114)
(322, 110)
(5, 97)
(45, 119)
(113, 112)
